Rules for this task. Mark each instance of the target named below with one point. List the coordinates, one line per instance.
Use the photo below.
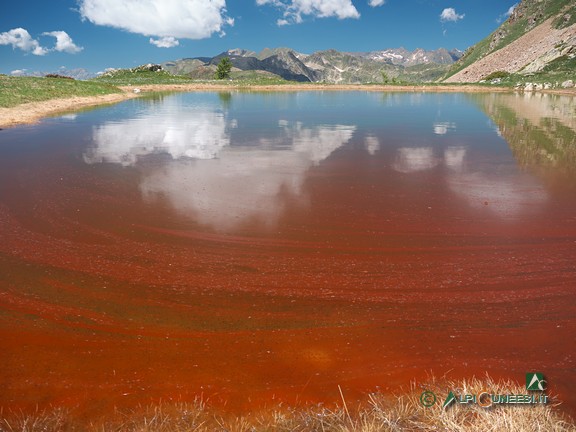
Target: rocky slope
(536, 35)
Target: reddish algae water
(369, 268)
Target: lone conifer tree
(224, 68)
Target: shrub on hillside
(497, 74)
(52, 75)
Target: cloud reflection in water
(227, 172)
(217, 184)
(442, 128)
(241, 184)
(415, 159)
(201, 136)
(505, 193)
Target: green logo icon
(427, 398)
(449, 399)
(535, 381)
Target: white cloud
(506, 14)
(510, 10)
(376, 3)
(190, 19)
(18, 72)
(294, 10)
(21, 39)
(64, 42)
(450, 14)
(106, 70)
(165, 42)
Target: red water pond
(252, 271)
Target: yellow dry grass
(382, 413)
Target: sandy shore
(34, 111)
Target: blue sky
(41, 35)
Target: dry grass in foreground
(379, 413)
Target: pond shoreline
(32, 112)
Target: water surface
(264, 247)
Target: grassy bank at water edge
(19, 90)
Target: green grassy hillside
(527, 15)
(18, 90)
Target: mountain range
(329, 66)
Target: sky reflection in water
(226, 159)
